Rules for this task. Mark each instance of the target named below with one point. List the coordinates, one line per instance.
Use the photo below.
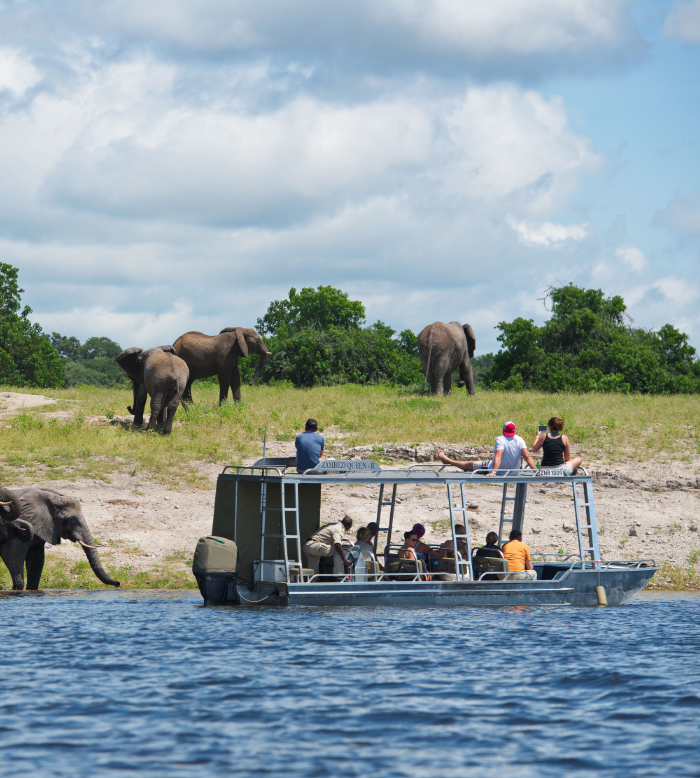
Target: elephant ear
(168, 349)
(242, 345)
(34, 506)
(128, 361)
(471, 339)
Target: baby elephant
(160, 373)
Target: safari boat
(264, 513)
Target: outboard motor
(214, 567)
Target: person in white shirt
(508, 455)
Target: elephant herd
(166, 373)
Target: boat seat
(404, 569)
(494, 566)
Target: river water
(154, 684)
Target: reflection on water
(104, 683)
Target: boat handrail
(252, 468)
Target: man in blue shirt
(309, 446)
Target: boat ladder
(293, 566)
(589, 526)
(463, 567)
(382, 503)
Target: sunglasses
(413, 540)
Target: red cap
(509, 429)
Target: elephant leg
(13, 555)
(140, 405)
(440, 371)
(187, 395)
(163, 415)
(467, 375)
(447, 382)
(35, 565)
(156, 405)
(224, 383)
(171, 409)
(236, 382)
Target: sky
(177, 165)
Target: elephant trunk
(94, 559)
(261, 364)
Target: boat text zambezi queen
(264, 513)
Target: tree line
(319, 337)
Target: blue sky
(177, 165)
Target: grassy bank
(175, 572)
(85, 440)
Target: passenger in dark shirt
(309, 445)
(491, 549)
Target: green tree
(586, 346)
(67, 347)
(100, 347)
(27, 357)
(319, 308)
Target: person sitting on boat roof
(556, 454)
(509, 451)
(309, 445)
(328, 541)
(518, 555)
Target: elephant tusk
(5, 503)
(86, 545)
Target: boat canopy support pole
(517, 518)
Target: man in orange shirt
(518, 556)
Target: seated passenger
(423, 549)
(373, 528)
(556, 453)
(491, 548)
(508, 454)
(328, 541)
(460, 529)
(518, 556)
(408, 550)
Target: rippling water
(106, 683)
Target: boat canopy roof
(336, 471)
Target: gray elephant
(52, 516)
(444, 348)
(13, 528)
(209, 355)
(157, 372)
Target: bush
(587, 347)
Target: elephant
(51, 516)
(444, 348)
(209, 355)
(160, 373)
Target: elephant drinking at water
(444, 348)
(218, 355)
(51, 516)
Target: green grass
(175, 572)
(608, 426)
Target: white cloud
(17, 73)
(677, 291)
(682, 213)
(683, 21)
(548, 234)
(632, 257)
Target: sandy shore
(643, 512)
